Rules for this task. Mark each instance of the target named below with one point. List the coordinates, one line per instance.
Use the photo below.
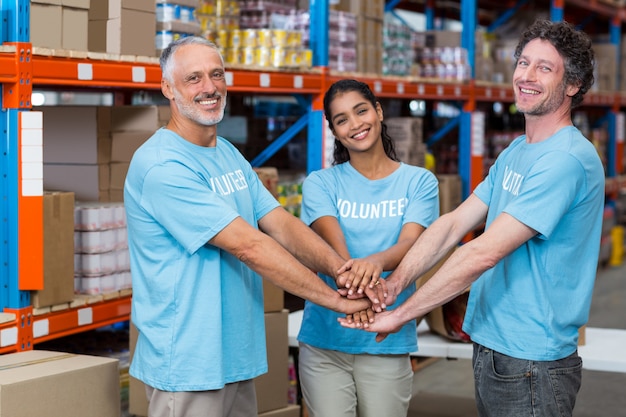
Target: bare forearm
(463, 267)
(275, 263)
(432, 246)
(310, 249)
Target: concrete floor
(444, 388)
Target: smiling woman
(370, 208)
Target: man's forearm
(433, 245)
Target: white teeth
(360, 134)
(526, 91)
(208, 102)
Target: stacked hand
(360, 278)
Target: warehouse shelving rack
(23, 66)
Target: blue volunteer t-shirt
(531, 304)
(371, 215)
(198, 309)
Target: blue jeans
(510, 387)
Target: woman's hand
(363, 273)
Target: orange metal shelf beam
(28, 329)
(85, 72)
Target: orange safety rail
(28, 329)
(597, 6)
(493, 92)
(94, 73)
(602, 98)
(413, 89)
(79, 319)
(273, 81)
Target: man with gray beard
(202, 230)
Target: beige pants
(234, 400)
(336, 384)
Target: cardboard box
(112, 9)
(137, 399)
(118, 171)
(45, 383)
(74, 30)
(87, 181)
(105, 9)
(450, 192)
(46, 21)
(289, 411)
(273, 297)
(54, 2)
(135, 118)
(130, 34)
(271, 388)
(269, 177)
(70, 136)
(78, 4)
(58, 250)
(124, 144)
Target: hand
(361, 318)
(377, 293)
(383, 324)
(361, 274)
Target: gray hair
(166, 60)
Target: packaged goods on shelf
(101, 259)
(398, 51)
(276, 43)
(408, 136)
(175, 19)
(269, 178)
(289, 190)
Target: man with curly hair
(533, 269)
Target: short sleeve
(186, 207)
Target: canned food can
(222, 38)
(278, 57)
(265, 38)
(187, 14)
(307, 58)
(292, 58)
(166, 12)
(294, 38)
(263, 56)
(232, 56)
(234, 39)
(249, 38)
(163, 39)
(279, 38)
(248, 55)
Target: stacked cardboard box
(87, 149)
(605, 71)
(408, 136)
(122, 27)
(59, 24)
(369, 20)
